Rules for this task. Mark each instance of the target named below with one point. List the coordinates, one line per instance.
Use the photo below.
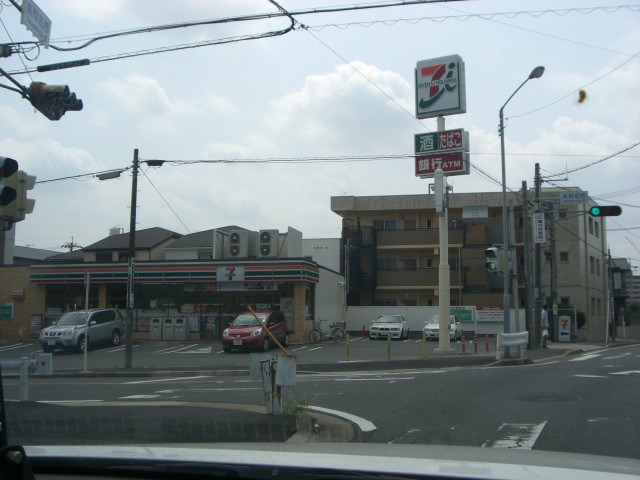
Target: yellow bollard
(424, 345)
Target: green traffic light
(605, 211)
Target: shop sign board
(440, 87)
(451, 163)
(431, 142)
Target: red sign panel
(451, 163)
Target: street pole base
(444, 351)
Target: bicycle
(317, 335)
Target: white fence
(359, 317)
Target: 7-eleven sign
(440, 87)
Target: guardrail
(38, 364)
(507, 340)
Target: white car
(432, 328)
(384, 326)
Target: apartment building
(390, 245)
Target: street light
(506, 302)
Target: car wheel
(115, 338)
(81, 344)
(266, 344)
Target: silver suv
(104, 325)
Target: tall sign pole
(440, 90)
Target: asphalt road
(582, 403)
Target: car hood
(431, 326)
(386, 325)
(244, 330)
(300, 459)
(64, 328)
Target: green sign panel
(6, 311)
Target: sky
(338, 86)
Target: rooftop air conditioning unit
(242, 244)
(269, 240)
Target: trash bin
(155, 332)
(167, 329)
(179, 329)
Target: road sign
(539, 232)
(451, 163)
(574, 198)
(36, 21)
(441, 141)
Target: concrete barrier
(507, 340)
(38, 364)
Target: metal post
(554, 276)
(128, 350)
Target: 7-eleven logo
(436, 80)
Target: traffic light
(53, 101)
(23, 205)
(605, 211)
(14, 184)
(8, 193)
(493, 256)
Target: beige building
(391, 244)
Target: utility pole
(538, 268)
(554, 274)
(528, 292)
(128, 349)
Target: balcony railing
(427, 277)
(416, 238)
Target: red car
(245, 333)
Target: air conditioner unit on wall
(242, 244)
(269, 242)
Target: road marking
(616, 356)
(13, 347)
(175, 349)
(171, 379)
(628, 372)
(585, 357)
(138, 397)
(312, 349)
(516, 435)
(362, 423)
(591, 376)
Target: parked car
(103, 324)
(432, 328)
(245, 333)
(389, 325)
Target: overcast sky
(338, 85)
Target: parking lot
(209, 354)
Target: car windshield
(388, 319)
(355, 172)
(72, 319)
(247, 320)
